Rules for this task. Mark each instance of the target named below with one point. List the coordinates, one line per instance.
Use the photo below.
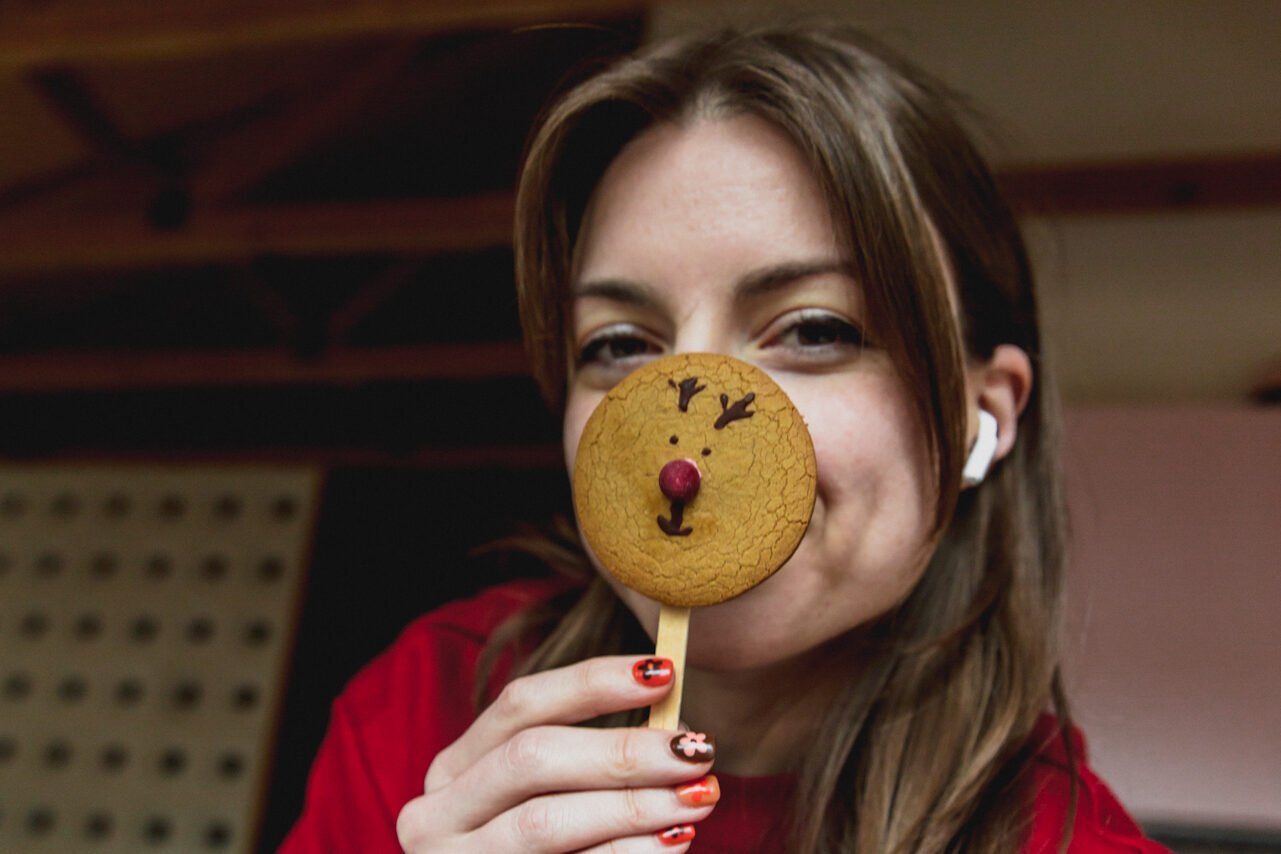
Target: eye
(820, 329)
(815, 334)
(617, 346)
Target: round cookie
(694, 479)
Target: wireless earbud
(982, 452)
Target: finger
(567, 695)
(568, 759)
(577, 820)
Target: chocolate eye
(707, 452)
(673, 440)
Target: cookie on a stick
(694, 482)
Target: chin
(748, 632)
(754, 629)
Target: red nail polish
(653, 672)
(700, 793)
(677, 835)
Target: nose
(679, 480)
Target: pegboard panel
(146, 615)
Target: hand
(522, 778)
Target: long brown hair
(926, 749)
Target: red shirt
(415, 699)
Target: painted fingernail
(694, 747)
(677, 835)
(700, 793)
(653, 672)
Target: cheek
(867, 444)
(578, 408)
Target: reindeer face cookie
(694, 479)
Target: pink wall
(1174, 650)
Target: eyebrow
(618, 290)
(767, 280)
(752, 286)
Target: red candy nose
(679, 480)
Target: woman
(803, 200)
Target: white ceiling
(1170, 307)
(1078, 79)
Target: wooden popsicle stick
(673, 636)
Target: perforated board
(145, 618)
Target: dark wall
(391, 544)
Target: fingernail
(653, 672)
(677, 835)
(700, 793)
(694, 747)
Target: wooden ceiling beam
(122, 371)
(368, 299)
(519, 457)
(424, 227)
(79, 31)
(249, 154)
(124, 242)
(1141, 186)
(70, 98)
(67, 95)
(253, 152)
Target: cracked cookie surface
(752, 497)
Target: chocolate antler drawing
(688, 388)
(735, 412)
(679, 479)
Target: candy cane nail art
(652, 672)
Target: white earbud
(982, 452)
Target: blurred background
(255, 290)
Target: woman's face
(713, 237)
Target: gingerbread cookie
(694, 479)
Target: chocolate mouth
(672, 527)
